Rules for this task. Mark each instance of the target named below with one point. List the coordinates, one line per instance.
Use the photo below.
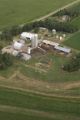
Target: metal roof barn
(50, 43)
(66, 50)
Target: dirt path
(66, 6)
(40, 93)
(39, 87)
(72, 85)
(35, 68)
(14, 75)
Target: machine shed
(66, 50)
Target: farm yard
(18, 12)
(33, 83)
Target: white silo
(54, 31)
(29, 50)
(34, 41)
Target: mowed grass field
(31, 92)
(22, 11)
(74, 41)
(18, 105)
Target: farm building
(53, 31)
(34, 42)
(62, 49)
(25, 56)
(18, 40)
(65, 18)
(15, 53)
(18, 45)
(43, 28)
(26, 35)
(50, 43)
(9, 49)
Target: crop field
(22, 11)
(41, 92)
(74, 41)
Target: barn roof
(25, 35)
(66, 50)
(50, 43)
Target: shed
(66, 50)
(53, 31)
(15, 53)
(25, 56)
(50, 43)
(17, 45)
(43, 28)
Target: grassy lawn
(55, 73)
(19, 12)
(74, 41)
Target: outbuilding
(62, 49)
(25, 56)
(26, 36)
(17, 45)
(53, 31)
(15, 53)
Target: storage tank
(34, 41)
(53, 31)
(29, 50)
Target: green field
(22, 11)
(76, 22)
(31, 92)
(74, 41)
(34, 106)
(38, 89)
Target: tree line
(6, 60)
(48, 23)
(73, 64)
(71, 12)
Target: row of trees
(72, 12)
(59, 26)
(73, 65)
(48, 23)
(6, 60)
